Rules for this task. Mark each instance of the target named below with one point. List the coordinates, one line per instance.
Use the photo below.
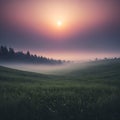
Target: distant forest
(9, 55)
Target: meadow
(91, 93)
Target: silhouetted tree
(11, 52)
(28, 53)
(11, 55)
(4, 50)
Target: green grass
(92, 93)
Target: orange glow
(59, 23)
(70, 18)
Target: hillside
(92, 93)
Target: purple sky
(89, 28)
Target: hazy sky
(66, 29)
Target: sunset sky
(62, 29)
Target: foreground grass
(89, 94)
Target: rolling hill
(89, 93)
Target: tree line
(9, 55)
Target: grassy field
(92, 93)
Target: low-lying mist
(46, 69)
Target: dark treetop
(9, 55)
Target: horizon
(84, 58)
(67, 30)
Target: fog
(46, 69)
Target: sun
(59, 23)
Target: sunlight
(59, 23)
